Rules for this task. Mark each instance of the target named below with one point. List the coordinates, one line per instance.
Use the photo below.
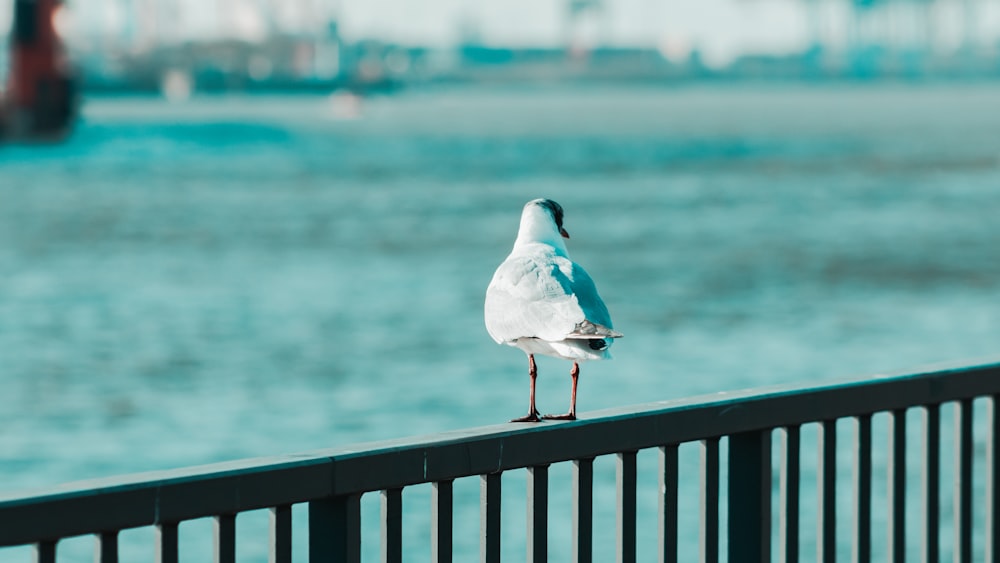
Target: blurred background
(249, 227)
(181, 47)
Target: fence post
(583, 511)
(489, 517)
(335, 529)
(166, 543)
(668, 504)
(626, 507)
(538, 513)
(442, 518)
(45, 552)
(750, 496)
(281, 534)
(826, 493)
(106, 548)
(710, 500)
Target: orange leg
(532, 415)
(571, 415)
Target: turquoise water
(236, 277)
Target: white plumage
(543, 303)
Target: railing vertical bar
(788, 514)
(897, 486)
(489, 518)
(963, 482)
(626, 477)
(993, 484)
(583, 510)
(225, 538)
(765, 485)
(392, 525)
(668, 504)
(538, 513)
(335, 529)
(281, 534)
(750, 496)
(863, 490)
(166, 543)
(826, 473)
(45, 552)
(710, 500)
(441, 522)
(106, 547)
(932, 483)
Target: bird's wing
(597, 320)
(536, 297)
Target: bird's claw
(567, 416)
(530, 417)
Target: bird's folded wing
(547, 299)
(597, 320)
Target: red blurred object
(40, 100)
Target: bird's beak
(563, 233)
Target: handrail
(111, 504)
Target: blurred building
(297, 44)
(39, 98)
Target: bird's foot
(567, 416)
(530, 417)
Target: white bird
(544, 303)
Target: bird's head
(542, 221)
(555, 210)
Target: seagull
(544, 303)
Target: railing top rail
(231, 487)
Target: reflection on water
(181, 284)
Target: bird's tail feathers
(587, 329)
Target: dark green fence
(332, 482)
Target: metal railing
(332, 482)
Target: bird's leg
(532, 411)
(571, 415)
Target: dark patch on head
(555, 209)
(597, 344)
